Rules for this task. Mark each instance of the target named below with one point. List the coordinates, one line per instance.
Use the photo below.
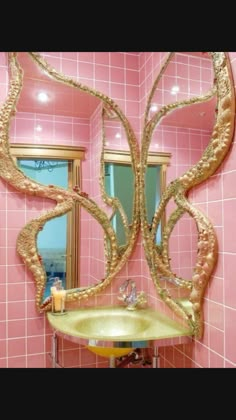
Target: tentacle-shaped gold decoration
(158, 259)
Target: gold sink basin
(113, 330)
(109, 323)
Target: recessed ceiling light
(153, 108)
(38, 128)
(174, 90)
(118, 135)
(42, 96)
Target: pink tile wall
(24, 334)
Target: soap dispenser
(58, 297)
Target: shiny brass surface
(115, 326)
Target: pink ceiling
(198, 116)
(63, 100)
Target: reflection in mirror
(190, 113)
(119, 183)
(46, 93)
(59, 241)
(52, 240)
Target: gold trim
(47, 151)
(154, 158)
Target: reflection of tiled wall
(24, 334)
(216, 198)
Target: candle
(58, 299)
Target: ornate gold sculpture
(157, 256)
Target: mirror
(39, 78)
(192, 97)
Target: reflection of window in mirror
(119, 182)
(58, 243)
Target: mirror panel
(66, 198)
(179, 100)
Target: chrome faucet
(132, 298)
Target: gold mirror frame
(222, 135)
(157, 259)
(65, 199)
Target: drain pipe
(133, 357)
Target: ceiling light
(42, 96)
(38, 128)
(174, 90)
(118, 135)
(153, 108)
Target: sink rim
(157, 329)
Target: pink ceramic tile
(229, 163)
(215, 213)
(36, 361)
(17, 362)
(3, 311)
(229, 180)
(16, 274)
(132, 93)
(2, 275)
(31, 310)
(3, 59)
(12, 255)
(216, 315)
(132, 61)
(15, 201)
(3, 256)
(15, 219)
(230, 334)
(132, 77)
(117, 75)
(217, 340)
(2, 293)
(216, 361)
(102, 72)
(3, 349)
(215, 289)
(215, 188)
(229, 365)
(229, 281)
(201, 355)
(85, 56)
(16, 347)
(16, 328)
(85, 71)
(35, 326)
(72, 358)
(35, 345)
(101, 58)
(229, 208)
(117, 59)
(69, 55)
(16, 310)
